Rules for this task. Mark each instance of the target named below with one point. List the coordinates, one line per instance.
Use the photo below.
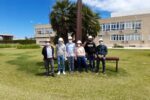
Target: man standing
(101, 52)
(61, 55)
(90, 49)
(48, 54)
(70, 48)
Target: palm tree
(63, 20)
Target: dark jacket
(90, 48)
(44, 52)
(102, 50)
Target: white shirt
(49, 52)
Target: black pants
(91, 59)
(48, 62)
(103, 64)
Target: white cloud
(118, 5)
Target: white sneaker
(58, 73)
(64, 72)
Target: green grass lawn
(21, 78)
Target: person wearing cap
(70, 49)
(90, 49)
(48, 54)
(61, 55)
(80, 56)
(101, 52)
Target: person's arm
(84, 53)
(96, 52)
(52, 51)
(56, 50)
(106, 50)
(94, 46)
(75, 53)
(74, 49)
(43, 51)
(65, 52)
(86, 47)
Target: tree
(63, 20)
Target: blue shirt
(70, 48)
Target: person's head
(79, 43)
(60, 40)
(70, 39)
(101, 41)
(47, 43)
(90, 38)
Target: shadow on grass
(24, 63)
(37, 67)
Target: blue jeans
(61, 63)
(81, 62)
(71, 63)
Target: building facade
(43, 33)
(6, 37)
(126, 30)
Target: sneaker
(64, 72)
(58, 73)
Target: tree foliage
(63, 19)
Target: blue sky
(18, 17)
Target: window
(113, 26)
(38, 32)
(128, 25)
(121, 26)
(138, 25)
(117, 37)
(107, 27)
(127, 37)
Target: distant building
(6, 37)
(43, 33)
(126, 29)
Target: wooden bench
(113, 59)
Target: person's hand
(95, 56)
(104, 57)
(75, 58)
(99, 56)
(65, 58)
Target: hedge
(17, 41)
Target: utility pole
(79, 21)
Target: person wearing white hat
(61, 55)
(90, 49)
(80, 54)
(48, 54)
(70, 49)
(101, 52)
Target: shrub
(118, 46)
(8, 45)
(18, 41)
(29, 46)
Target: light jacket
(80, 51)
(70, 49)
(61, 50)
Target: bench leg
(116, 66)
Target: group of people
(78, 53)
